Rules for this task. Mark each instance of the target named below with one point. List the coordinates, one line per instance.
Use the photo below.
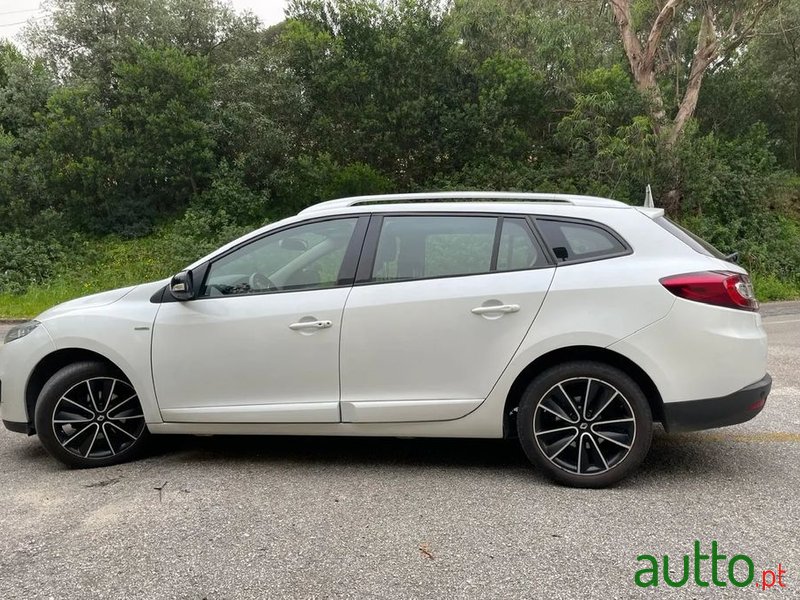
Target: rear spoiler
(653, 213)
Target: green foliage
(229, 195)
(41, 275)
(137, 135)
(762, 87)
(116, 164)
(25, 261)
(308, 180)
(356, 179)
(769, 287)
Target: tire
(584, 443)
(88, 415)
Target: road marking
(763, 436)
(779, 322)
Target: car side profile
(572, 323)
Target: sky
(15, 13)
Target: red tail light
(722, 288)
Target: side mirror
(182, 286)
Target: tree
(376, 79)
(83, 38)
(119, 163)
(648, 39)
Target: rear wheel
(586, 424)
(88, 415)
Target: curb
(771, 309)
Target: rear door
(440, 305)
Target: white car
(573, 323)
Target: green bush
(26, 261)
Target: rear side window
(428, 246)
(416, 247)
(517, 249)
(570, 240)
(695, 242)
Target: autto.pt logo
(705, 568)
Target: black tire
(88, 415)
(586, 424)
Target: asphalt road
(305, 517)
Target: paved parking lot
(305, 517)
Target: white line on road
(779, 322)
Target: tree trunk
(704, 55)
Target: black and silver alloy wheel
(585, 423)
(98, 417)
(87, 415)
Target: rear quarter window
(574, 241)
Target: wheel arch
(570, 354)
(50, 365)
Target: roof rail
(442, 197)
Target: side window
(303, 257)
(517, 249)
(578, 241)
(416, 247)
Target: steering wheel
(260, 282)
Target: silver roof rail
(446, 196)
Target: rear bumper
(734, 408)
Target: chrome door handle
(310, 325)
(503, 308)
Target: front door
(260, 344)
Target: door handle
(310, 325)
(503, 308)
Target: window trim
(370, 247)
(626, 251)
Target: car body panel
(717, 351)
(118, 328)
(16, 363)
(235, 359)
(419, 343)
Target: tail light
(722, 288)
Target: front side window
(308, 256)
(419, 247)
(571, 240)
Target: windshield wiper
(733, 257)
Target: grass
(105, 265)
(768, 288)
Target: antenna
(648, 197)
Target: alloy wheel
(98, 418)
(584, 425)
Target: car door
(260, 342)
(440, 305)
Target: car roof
(420, 200)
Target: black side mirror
(182, 286)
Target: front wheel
(87, 415)
(586, 424)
